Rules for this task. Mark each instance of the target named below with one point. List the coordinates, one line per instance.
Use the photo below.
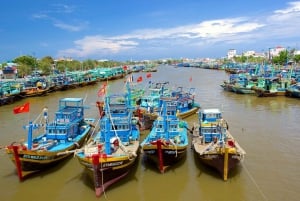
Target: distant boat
(213, 144)
(167, 142)
(65, 133)
(111, 153)
(274, 86)
(293, 90)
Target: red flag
(102, 90)
(21, 109)
(149, 75)
(140, 79)
(191, 78)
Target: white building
(249, 53)
(273, 52)
(231, 53)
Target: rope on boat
(93, 133)
(122, 146)
(253, 180)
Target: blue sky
(145, 29)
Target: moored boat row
(12, 90)
(113, 144)
(264, 82)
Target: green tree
(26, 64)
(297, 58)
(281, 59)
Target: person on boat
(196, 130)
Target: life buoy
(35, 145)
(114, 142)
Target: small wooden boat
(66, 132)
(111, 153)
(167, 142)
(213, 143)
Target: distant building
(231, 53)
(297, 52)
(273, 52)
(249, 53)
(10, 71)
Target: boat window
(159, 126)
(173, 127)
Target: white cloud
(293, 7)
(202, 31)
(69, 27)
(93, 45)
(280, 24)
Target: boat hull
(216, 161)
(32, 161)
(109, 170)
(188, 113)
(170, 155)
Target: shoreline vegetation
(14, 88)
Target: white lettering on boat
(112, 164)
(35, 157)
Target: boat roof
(71, 99)
(211, 110)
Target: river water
(267, 129)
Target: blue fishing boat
(186, 104)
(151, 105)
(213, 144)
(111, 153)
(167, 142)
(66, 132)
(293, 90)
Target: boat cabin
(210, 127)
(67, 120)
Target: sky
(125, 30)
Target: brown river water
(267, 128)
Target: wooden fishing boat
(66, 132)
(167, 142)
(111, 153)
(186, 104)
(213, 144)
(151, 105)
(9, 92)
(272, 87)
(33, 91)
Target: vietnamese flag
(22, 109)
(102, 90)
(148, 75)
(140, 79)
